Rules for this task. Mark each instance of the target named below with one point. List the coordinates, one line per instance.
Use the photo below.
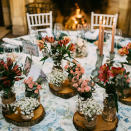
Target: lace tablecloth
(59, 112)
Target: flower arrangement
(81, 48)
(89, 108)
(32, 88)
(113, 78)
(126, 50)
(27, 106)
(58, 49)
(57, 77)
(84, 88)
(9, 73)
(74, 70)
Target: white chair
(42, 21)
(105, 19)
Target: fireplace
(76, 13)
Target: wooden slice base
(126, 101)
(16, 119)
(101, 125)
(66, 91)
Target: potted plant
(126, 50)
(32, 88)
(10, 72)
(57, 49)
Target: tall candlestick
(112, 43)
(102, 41)
(99, 40)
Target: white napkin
(12, 41)
(92, 35)
(48, 32)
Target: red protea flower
(5, 66)
(7, 83)
(9, 62)
(2, 62)
(104, 73)
(15, 68)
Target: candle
(112, 43)
(99, 40)
(102, 41)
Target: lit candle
(112, 43)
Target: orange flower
(123, 51)
(72, 47)
(129, 45)
(41, 46)
(116, 71)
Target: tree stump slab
(65, 92)
(101, 125)
(17, 120)
(126, 101)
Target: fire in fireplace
(77, 20)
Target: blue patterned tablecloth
(59, 112)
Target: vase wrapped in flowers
(56, 79)
(57, 49)
(112, 78)
(126, 50)
(27, 106)
(32, 88)
(9, 73)
(89, 109)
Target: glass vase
(109, 111)
(8, 97)
(128, 58)
(33, 95)
(57, 64)
(90, 124)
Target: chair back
(39, 22)
(105, 19)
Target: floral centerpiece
(126, 50)
(112, 78)
(81, 48)
(56, 78)
(89, 109)
(27, 106)
(32, 88)
(10, 72)
(57, 49)
(84, 88)
(74, 70)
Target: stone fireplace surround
(14, 12)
